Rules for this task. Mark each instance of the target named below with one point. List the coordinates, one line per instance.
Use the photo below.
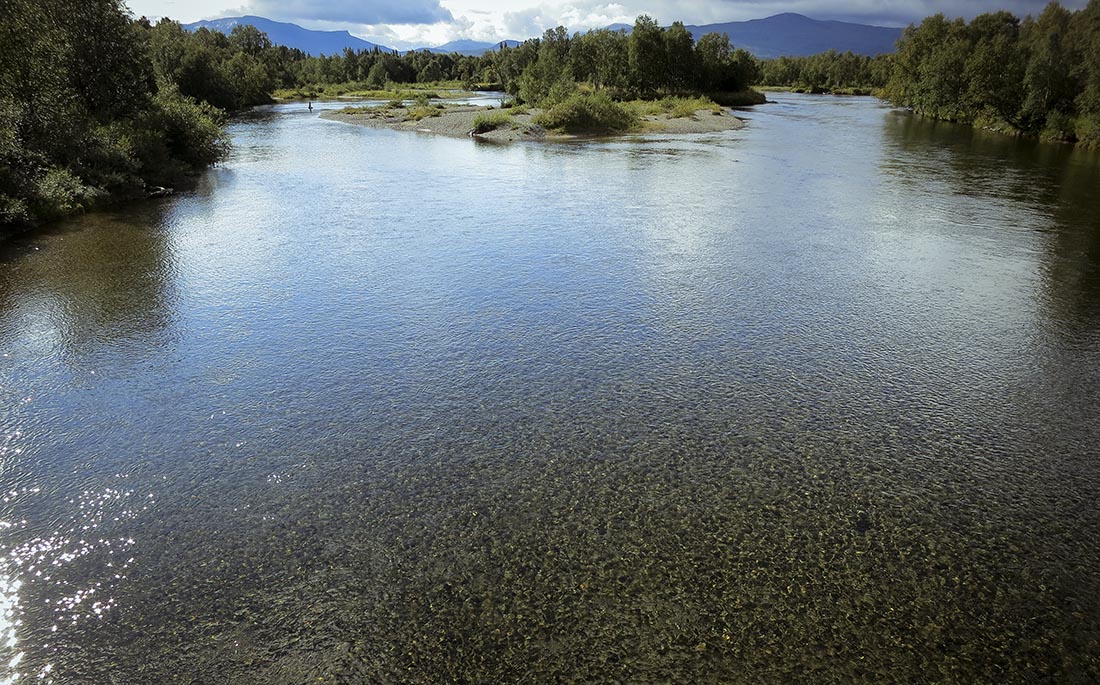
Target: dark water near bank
(815, 401)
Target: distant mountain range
(291, 35)
(469, 47)
(796, 35)
(782, 34)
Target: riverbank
(510, 125)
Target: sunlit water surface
(814, 401)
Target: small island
(518, 123)
(600, 83)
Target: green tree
(378, 75)
(682, 66)
(1088, 102)
(994, 70)
(1049, 79)
(549, 77)
(648, 56)
(249, 40)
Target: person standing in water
(311, 105)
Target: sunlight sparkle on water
(10, 656)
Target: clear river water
(813, 401)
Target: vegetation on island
(583, 81)
(490, 121)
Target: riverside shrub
(588, 113)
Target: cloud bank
(371, 12)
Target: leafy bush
(483, 123)
(192, 131)
(1059, 127)
(1088, 131)
(60, 193)
(518, 110)
(13, 211)
(588, 113)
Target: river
(812, 401)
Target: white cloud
(373, 12)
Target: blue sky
(413, 23)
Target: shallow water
(814, 401)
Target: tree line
(828, 72)
(1037, 76)
(648, 61)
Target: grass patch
(588, 113)
(675, 107)
(485, 122)
(519, 110)
(423, 112)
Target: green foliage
(378, 75)
(601, 58)
(831, 71)
(90, 107)
(588, 113)
(675, 107)
(485, 122)
(549, 77)
(59, 192)
(13, 211)
(681, 59)
(422, 112)
(230, 72)
(647, 57)
(650, 62)
(190, 131)
(1050, 80)
(1040, 76)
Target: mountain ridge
(312, 42)
(796, 35)
(787, 34)
(465, 46)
